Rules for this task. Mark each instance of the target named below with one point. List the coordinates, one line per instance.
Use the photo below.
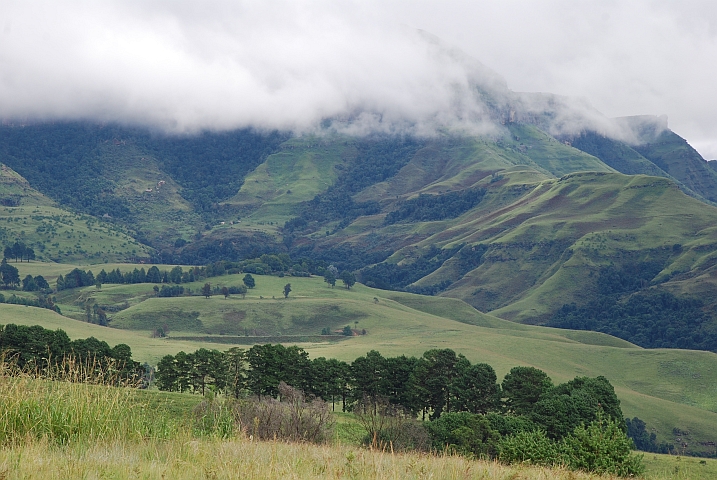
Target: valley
(464, 242)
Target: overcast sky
(185, 66)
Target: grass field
(666, 388)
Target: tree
(287, 289)
(522, 388)
(330, 278)
(41, 283)
(271, 364)
(249, 281)
(368, 375)
(175, 275)
(225, 292)
(348, 278)
(476, 389)
(433, 380)
(153, 275)
(463, 433)
(577, 402)
(9, 274)
(207, 290)
(28, 284)
(603, 448)
(18, 250)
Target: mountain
(549, 213)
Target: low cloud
(369, 65)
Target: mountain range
(542, 211)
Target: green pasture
(679, 467)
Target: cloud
(226, 65)
(186, 66)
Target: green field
(666, 388)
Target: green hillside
(16, 191)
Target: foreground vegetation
(667, 388)
(93, 431)
(63, 418)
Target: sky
(218, 64)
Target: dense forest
(625, 306)
(427, 208)
(64, 161)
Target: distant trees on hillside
(377, 159)
(426, 208)
(19, 250)
(650, 318)
(66, 161)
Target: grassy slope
(545, 240)
(58, 235)
(675, 156)
(54, 233)
(15, 190)
(162, 214)
(304, 168)
(666, 388)
(144, 348)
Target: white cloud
(183, 66)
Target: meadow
(667, 388)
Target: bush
(602, 447)
(293, 418)
(464, 433)
(529, 447)
(389, 427)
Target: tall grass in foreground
(61, 429)
(214, 458)
(64, 410)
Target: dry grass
(187, 458)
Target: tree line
(40, 350)
(438, 382)
(19, 250)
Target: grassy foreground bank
(58, 429)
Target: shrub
(529, 447)
(293, 418)
(602, 447)
(388, 426)
(464, 433)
